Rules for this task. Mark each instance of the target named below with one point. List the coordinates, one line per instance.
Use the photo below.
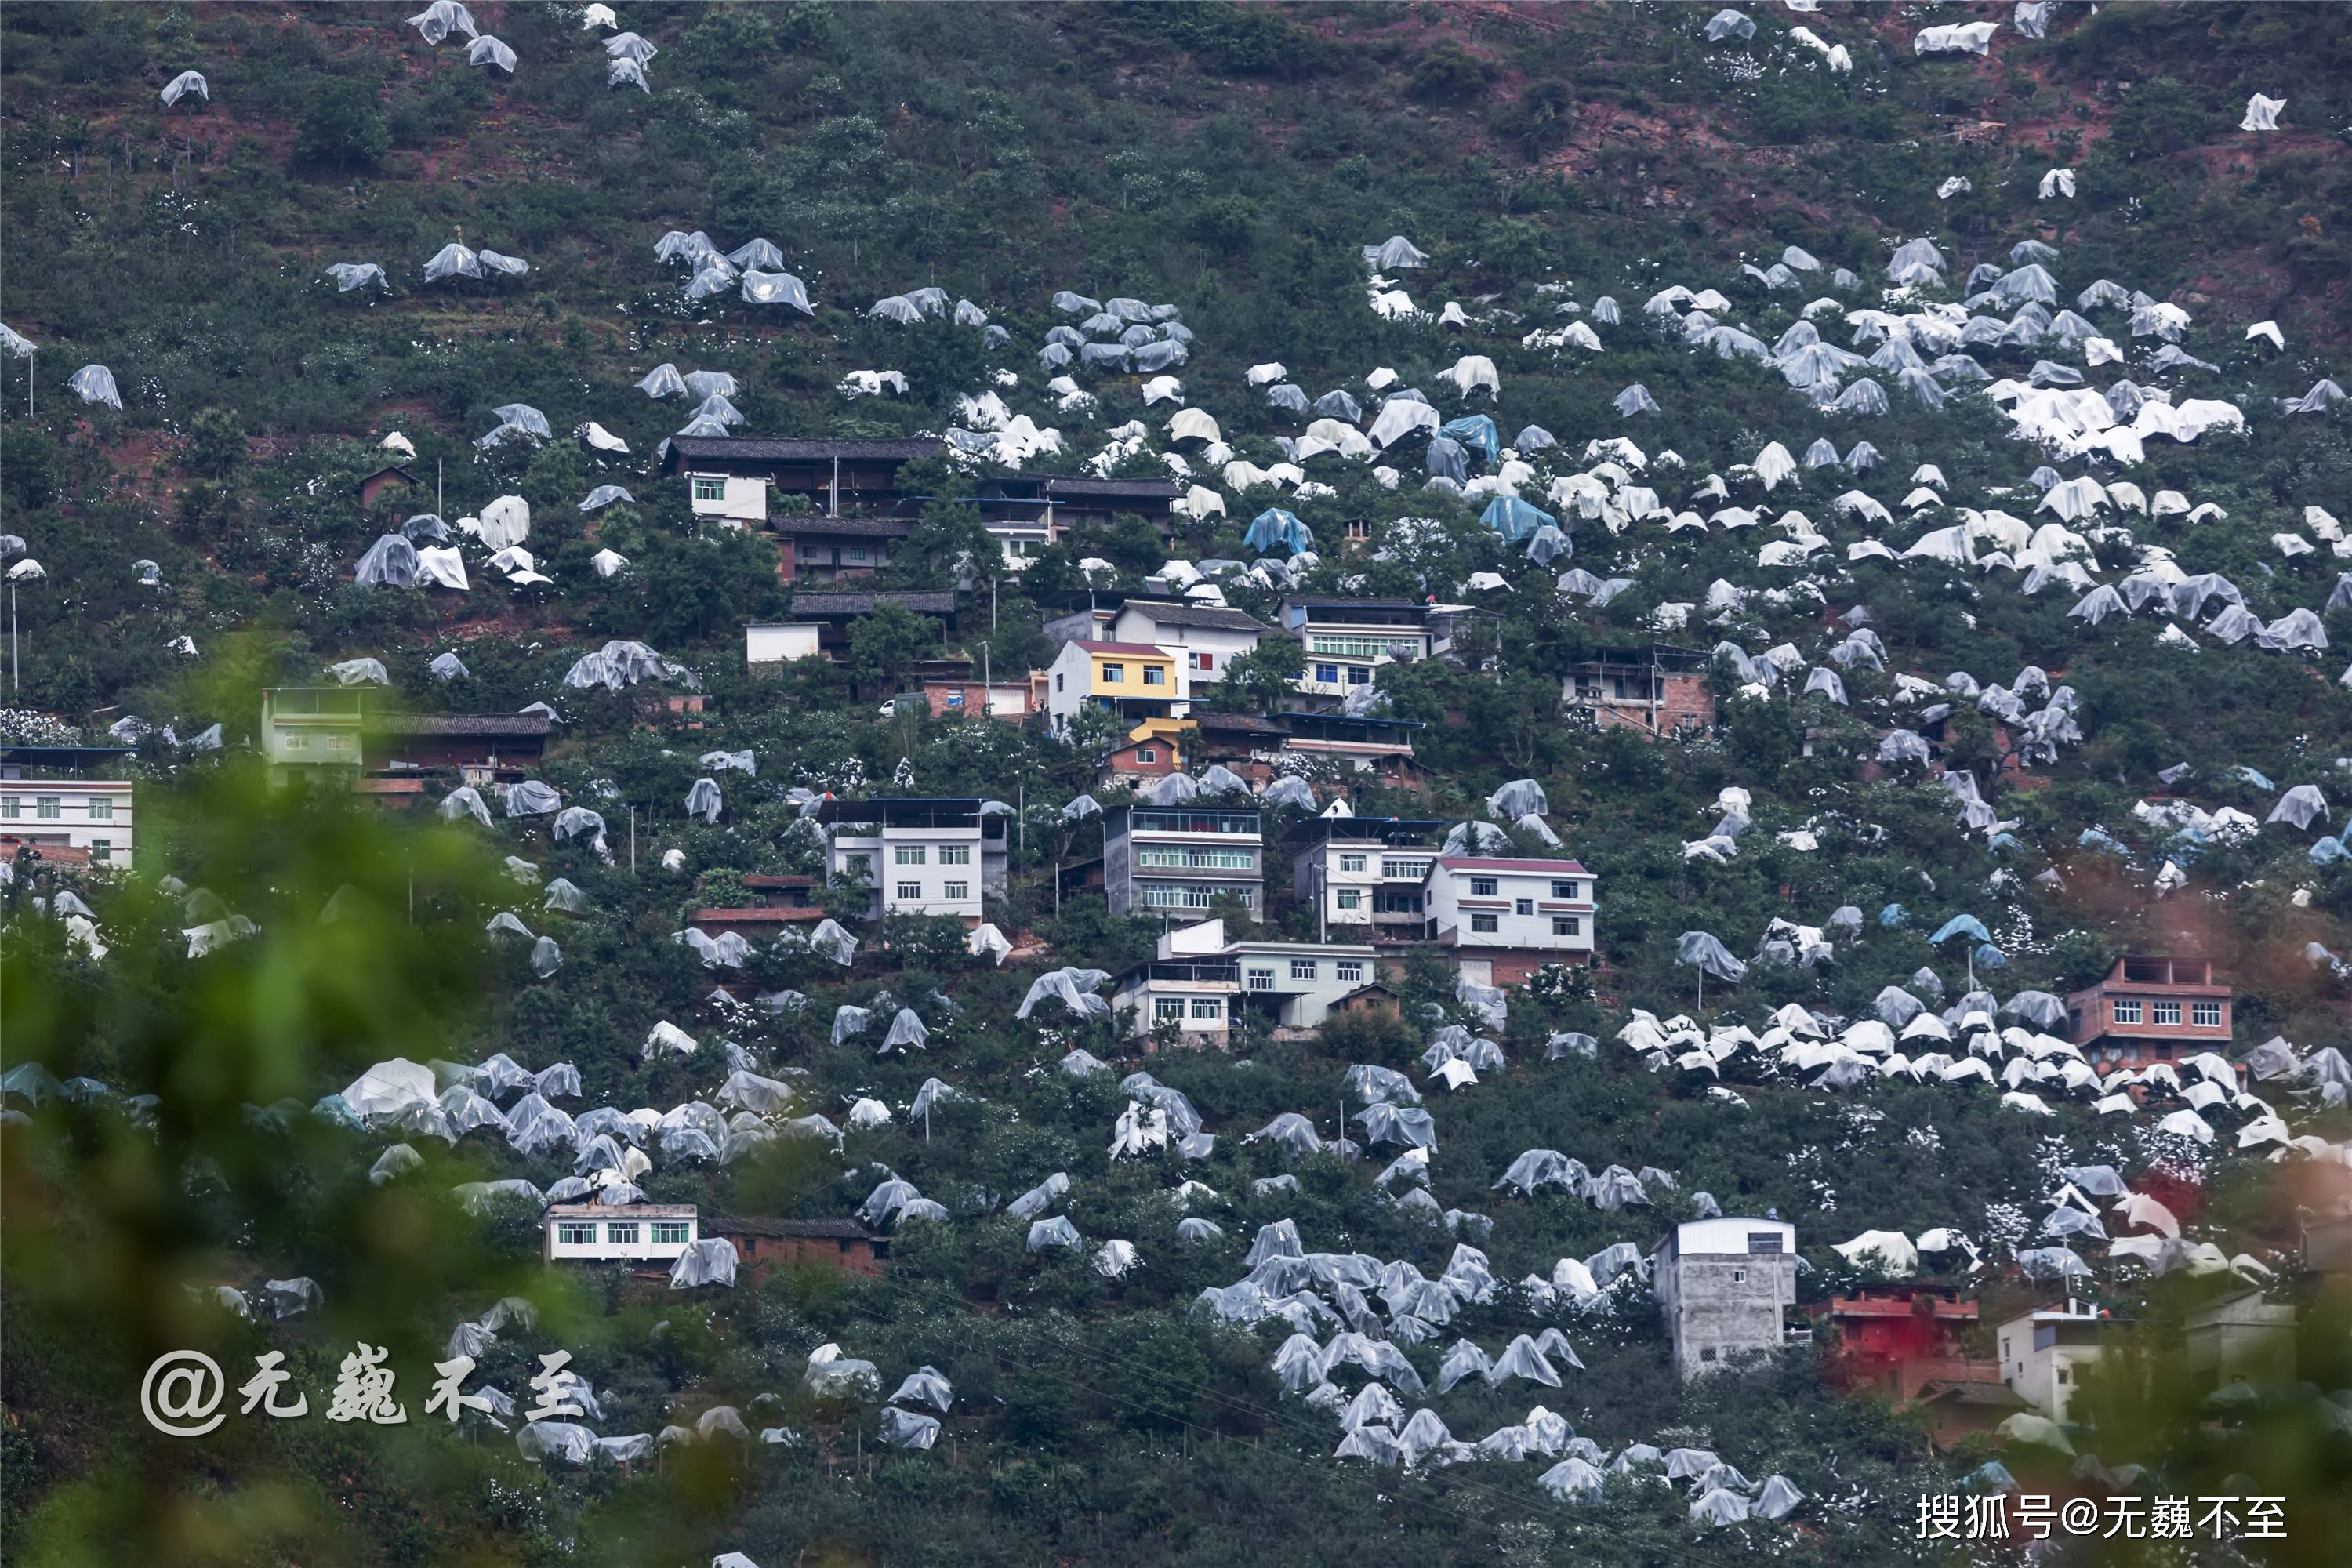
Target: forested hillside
(2011, 560)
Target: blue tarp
(2095, 838)
(1961, 925)
(1990, 957)
(1476, 430)
(1274, 528)
(2328, 849)
(2252, 777)
(1514, 518)
(1894, 916)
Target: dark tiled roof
(835, 1230)
(1145, 489)
(1249, 723)
(842, 527)
(465, 723)
(1213, 617)
(800, 449)
(925, 601)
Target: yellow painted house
(1136, 681)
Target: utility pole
(14, 685)
(436, 491)
(633, 841)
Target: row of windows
(917, 854)
(1188, 858)
(1115, 675)
(1365, 648)
(1345, 971)
(1489, 887)
(952, 892)
(298, 741)
(2203, 1014)
(1171, 1009)
(619, 1232)
(1561, 925)
(50, 807)
(1170, 896)
(1329, 674)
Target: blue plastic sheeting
(1476, 430)
(1514, 518)
(1894, 916)
(1274, 528)
(1961, 925)
(1990, 957)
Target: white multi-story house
(919, 856)
(635, 1233)
(1293, 983)
(1345, 641)
(1205, 638)
(1504, 920)
(1194, 995)
(93, 815)
(1365, 876)
(2043, 1352)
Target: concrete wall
(1722, 1308)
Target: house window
(102, 850)
(338, 743)
(622, 1233)
(955, 892)
(1357, 528)
(1404, 871)
(11, 806)
(1114, 674)
(1352, 864)
(709, 490)
(1352, 898)
(1261, 979)
(101, 811)
(47, 807)
(2127, 1012)
(1154, 676)
(1567, 925)
(575, 1233)
(1168, 1009)
(1563, 890)
(669, 1232)
(2205, 1015)
(1327, 673)
(857, 866)
(955, 854)
(858, 553)
(2168, 1013)
(1205, 661)
(1523, 906)
(1359, 676)
(1738, 1275)
(955, 698)
(910, 892)
(1207, 1009)
(1302, 969)
(1706, 1355)
(1483, 886)
(297, 742)
(1058, 683)
(1145, 756)
(1350, 971)
(1484, 922)
(909, 855)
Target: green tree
(885, 643)
(1449, 74)
(217, 442)
(1261, 680)
(342, 125)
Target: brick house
(1656, 689)
(2151, 1008)
(842, 1243)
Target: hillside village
(1331, 768)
